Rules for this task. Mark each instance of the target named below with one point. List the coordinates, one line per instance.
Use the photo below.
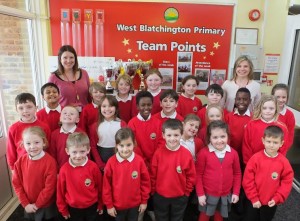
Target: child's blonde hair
(98, 87)
(78, 139)
(217, 106)
(126, 78)
(258, 108)
(70, 106)
(37, 131)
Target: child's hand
(257, 204)
(271, 203)
(202, 200)
(67, 216)
(234, 198)
(112, 212)
(142, 208)
(100, 212)
(31, 208)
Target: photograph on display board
(184, 62)
(202, 75)
(217, 76)
(184, 67)
(185, 56)
(167, 74)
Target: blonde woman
(242, 77)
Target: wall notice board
(181, 37)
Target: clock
(254, 14)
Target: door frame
(13, 203)
(293, 24)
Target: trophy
(144, 66)
(109, 76)
(119, 68)
(131, 68)
(140, 68)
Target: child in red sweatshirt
(26, 108)
(214, 94)
(265, 114)
(188, 102)
(69, 117)
(51, 113)
(145, 127)
(79, 185)
(125, 170)
(173, 174)
(124, 97)
(34, 178)
(168, 102)
(268, 177)
(90, 112)
(281, 92)
(238, 119)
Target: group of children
(156, 151)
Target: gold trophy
(138, 67)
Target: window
(17, 4)
(21, 59)
(15, 61)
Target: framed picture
(246, 36)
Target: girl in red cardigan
(265, 114)
(281, 92)
(218, 174)
(102, 133)
(34, 177)
(126, 181)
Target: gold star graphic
(129, 50)
(211, 53)
(204, 57)
(136, 55)
(216, 45)
(125, 41)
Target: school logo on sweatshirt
(274, 176)
(87, 182)
(134, 175)
(195, 109)
(178, 169)
(152, 136)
